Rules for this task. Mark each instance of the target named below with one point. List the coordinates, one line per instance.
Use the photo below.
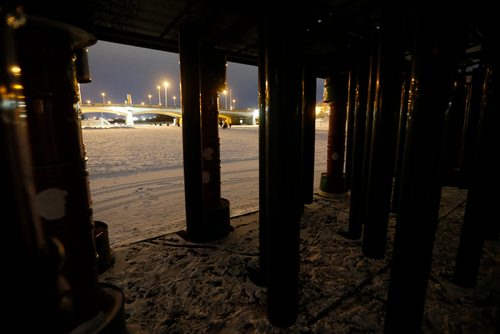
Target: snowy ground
(173, 286)
(137, 182)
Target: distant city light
(16, 70)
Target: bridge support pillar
(308, 134)
(215, 208)
(283, 161)
(333, 182)
(437, 53)
(62, 197)
(478, 226)
(32, 271)
(385, 106)
(129, 119)
(356, 200)
(207, 214)
(191, 135)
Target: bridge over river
(132, 111)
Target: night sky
(118, 70)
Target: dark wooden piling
(283, 158)
(191, 125)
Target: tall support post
(333, 181)
(374, 51)
(401, 134)
(454, 122)
(59, 162)
(284, 203)
(191, 125)
(215, 209)
(482, 197)
(385, 110)
(36, 290)
(309, 134)
(259, 277)
(437, 49)
(349, 141)
(356, 206)
(468, 134)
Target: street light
(149, 95)
(174, 97)
(103, 98)
(225, 97)
(234, 104)
(159, 95)
(165, 84)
